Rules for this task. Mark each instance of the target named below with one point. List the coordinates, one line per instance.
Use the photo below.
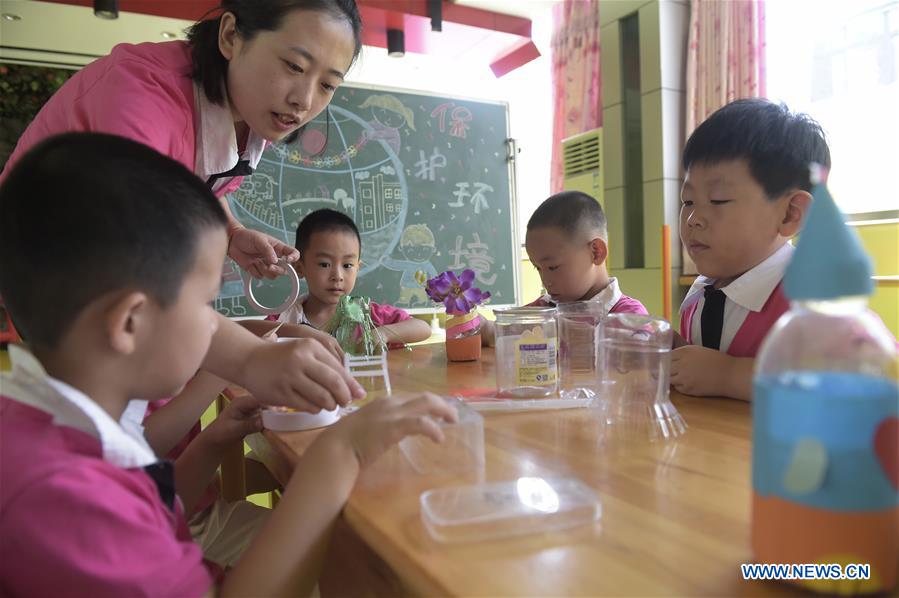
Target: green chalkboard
(425, 178)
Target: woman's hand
(258, 253)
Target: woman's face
(280, 80)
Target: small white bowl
(292, 421)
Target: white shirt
(747, 293)
(29, 383)
(295, 313)
(608, 297)
(216, 142)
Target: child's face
(280, 80)
(727, 223)
(183, 331)
(567, 267)
(329, 265)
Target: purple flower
(456, 292)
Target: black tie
(163, 473)
(242, 168)
(712, 320)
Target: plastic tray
(566, 399)
(500, 509)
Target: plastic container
(461, 452)
(281, 420)
(825, 416)
(526, 352)
(579, 324)
(635, 363)
(500, 509)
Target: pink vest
(754, 328)
(143, 92)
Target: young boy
(330, 246)
(127, 312)
(745, 193)
(567, 243)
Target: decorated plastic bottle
(825, 466)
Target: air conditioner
(582, 164)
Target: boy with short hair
(127, 312)
(746, 191)
(567, 242)
(330, 248)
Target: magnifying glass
(291, 298)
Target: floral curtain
(725, 55)
(575, 75)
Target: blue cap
(829, 261)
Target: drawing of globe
(342, 165)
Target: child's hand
(384, 422)
(698, 371)
(330, 343)
(242, 416)
(301, 374)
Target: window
(838, 61)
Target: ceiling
(497, 32)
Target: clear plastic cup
(634, 364)
(579, 324)
(460, 453)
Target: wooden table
(675, 516)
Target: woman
(252, 75)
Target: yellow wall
(882, 243)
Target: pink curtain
(725, 61)
(575, 74)
(725, 55)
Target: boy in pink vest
(567, 242)
(114, 296)
(746, 191)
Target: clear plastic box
(461, 452)
(510, 508)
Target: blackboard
(427, 180)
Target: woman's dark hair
(252, 16)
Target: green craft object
(353, 327)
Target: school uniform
(752, 304)
(85, 506)
(381, 315)
(611, 298)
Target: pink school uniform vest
(142, 92)
(749, 337)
